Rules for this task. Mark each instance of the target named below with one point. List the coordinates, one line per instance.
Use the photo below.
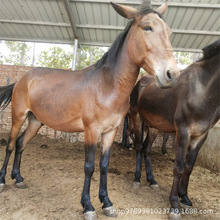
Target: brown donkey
(191, 108)
(94, 100)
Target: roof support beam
(153, 3)
(26, 39)
(187, 5)
(69, 12)
(176, 31)
(187, 50)
(109, 44)
(35, 23)
(196, 32)
(103, 27)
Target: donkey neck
(125, 73)
(210, 73)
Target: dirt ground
(55, 175)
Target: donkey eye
(148, 28)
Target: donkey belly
(158, 122)
(57, 112)
(59, 120)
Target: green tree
(184, 58)
(18, 53)
(1, 58)
(88, 55)
(55, 57)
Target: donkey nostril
(169, 77)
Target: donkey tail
(5, 95)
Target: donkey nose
(172, 75)
(168, 76)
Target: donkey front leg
(88, 209)
(107, 140)
(89, 166)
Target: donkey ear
(125, 11)
(162, 9)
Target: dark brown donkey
(129, 133)
(191, 108)
(94, 100)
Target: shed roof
(195, 23)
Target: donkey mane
(211, 50)
(110, 57)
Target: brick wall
(9, 74)
(13, 73)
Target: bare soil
(55, 176)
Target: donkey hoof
(21, 185)
(91, 215)
(136, 185)
(110, 212)
(155, 187)
(184, 206)
(174, 216)
(2, 187)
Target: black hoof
(90, 215)
(110, 212)
(185, 202)
(184, 206)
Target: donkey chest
(113, 118)
(111, 122)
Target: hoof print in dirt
(3, 142)
(43, 146)
(115, 171)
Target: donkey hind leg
(182, 141)
(125, 136)
(17, 123)
(106, 143)
(194, 147)
(33, 127)
(151, 136)
(164, 147)
(138, 133)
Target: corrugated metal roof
(195, 23)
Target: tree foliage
(1, 58)
(86, 53)
(184, 58)
(18, 53)
(55, 57)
